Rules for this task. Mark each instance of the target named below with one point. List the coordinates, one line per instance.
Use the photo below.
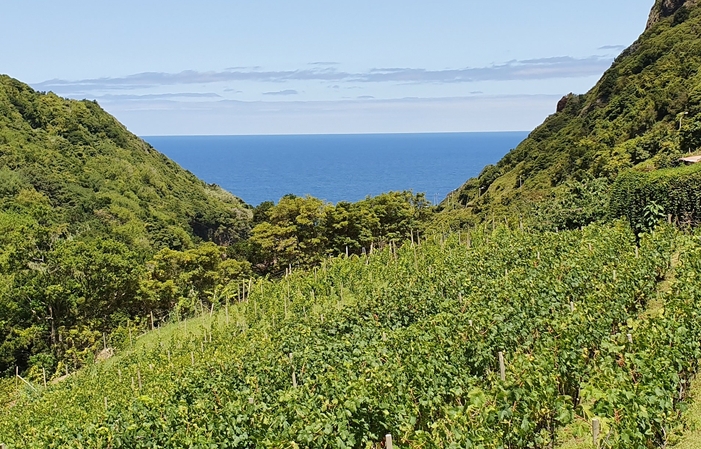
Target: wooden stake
(388, 441)
(138, 375)
(104, 341)
(192, 358)
(294, 379)
(637, 252)
(502, 367)
(131, 342)
(169, 356)
(152, 325)
(43, 371)
(595, 430)
(630, 338)
(106, 403)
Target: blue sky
(310, 66)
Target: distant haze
(308, 67)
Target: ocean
(337, 167)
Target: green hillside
(631, 117)
(406, 342)
(83, 205)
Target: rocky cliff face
(667, 8)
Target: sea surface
(337, 167)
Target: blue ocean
(337, 167)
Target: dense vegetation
(631, 117)
(325, 325)
(83, 205)
(646, 197)
(99, 230)
(406, 341)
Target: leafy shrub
(644, 198)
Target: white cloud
(531, 69)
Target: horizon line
(338, 134)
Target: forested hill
(631, 117)
(83, 205)
(90, 176)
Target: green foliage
(406, 343)
(631, 116)
(303, 231)
(572, 205)
(186, 282)
(83, 205)
(645, 198)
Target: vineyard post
(131, 343)
(152, 326)
(669, 218)
(106, 408)
(226, 309)
(16, 377)
(630, 338)
(637, 252)
(502, 367)
(595, 429)
(192, 358)
(138, 375)
(104, 341)
(388, 441)
(294, 375)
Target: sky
(174, 67)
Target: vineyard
(489, 339)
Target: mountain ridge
(631, 117)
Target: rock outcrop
(667, 8)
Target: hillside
(631, 118)
(83, 205)
(405, 342)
